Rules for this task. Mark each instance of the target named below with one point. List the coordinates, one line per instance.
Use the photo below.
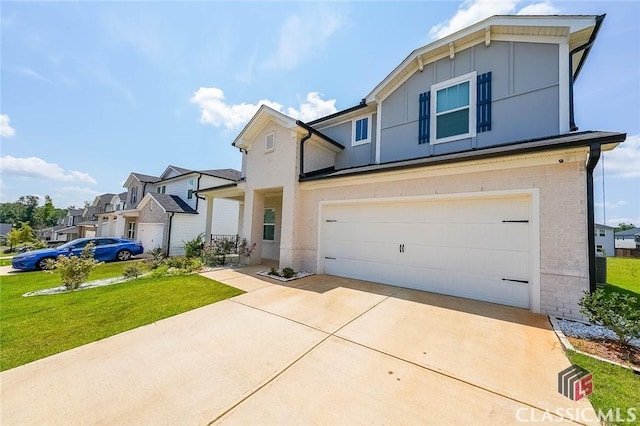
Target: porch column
(209, 221)
(252, 228)
(240, 217)
(287, 228)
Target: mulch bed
(608, 349)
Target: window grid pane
(453, 123)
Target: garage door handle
(330, 258)
(515, 221)
(516, 281)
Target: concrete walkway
(321, 350)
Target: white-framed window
(134, 194)
(453, 109)
(269, 141)
(601, 232)
(131, 230)
(191, 185)
(162, 189)
(361, 131)
(269, 225)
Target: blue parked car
(106, 249)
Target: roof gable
(577, 29)
(168, 203)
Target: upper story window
(269, 141)
(191, 185)
(361, 131)
(161, 189)
(134, 195)
(453, 111)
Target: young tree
(13, 238)
(624, 226)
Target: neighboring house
(165, 211)
(70, 230)
(629, 239)
(604, 240)
(5, 228)
(462, 172)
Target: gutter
(362, 104)
(194, 192)
(169, 233)
(302, 141)
(592, 161)
(587, 48)
(311, 131)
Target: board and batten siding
(184, 227)
(180, 188)
(525, 85)
(353, 156)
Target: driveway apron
(320, 350)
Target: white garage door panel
(151, 235)
(457, 247)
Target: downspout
(169, 233)
(592, 161)
(586, 47)
(302, 141)
(198, 187)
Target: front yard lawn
(613, 387)
(5, 262)
(36, 327)
(623, 275)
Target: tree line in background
(27, 209)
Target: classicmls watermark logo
(575, 382)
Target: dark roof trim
(229, 185)
(589, 44)
(362, 104)
(571, 140)
(319, 134)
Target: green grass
(5, 262)
(39, 326)
(613, 387)
(624, 273)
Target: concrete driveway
(321, 350)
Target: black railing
(226, 243)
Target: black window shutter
(423, 118)
(483, 110)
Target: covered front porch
(120, 224)
(259, 220)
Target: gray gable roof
(123, 196)
(229, 174)
(180, 170)
(628, 232)
(145, 178)
(172, 203)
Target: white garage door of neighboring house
(151, 235)
(472, 247)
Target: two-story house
(165, 211)
(462, 172)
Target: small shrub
(38, 245)
(153, 263)
(193, 248)
(157, 253)
(183, 264)
(211, 257)
(245, 249)
(274, 271)
(74, 270)
(618, 312)
(160, 271)
(132, 270)
(288, 273)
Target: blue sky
(91, 91)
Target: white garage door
(476, 248)
(151, 235)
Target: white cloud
(302, 37)
(624, 161)
(618, 220)
(32, 74)
(314, 107)
(38, 168)
(6, 131)
(216, 112)
(472, 11)
(612, 205)
(545, 8)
